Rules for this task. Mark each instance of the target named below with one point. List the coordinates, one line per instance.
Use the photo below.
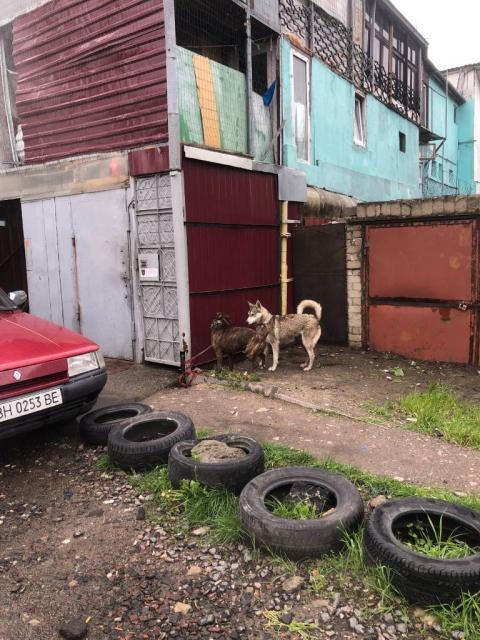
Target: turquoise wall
(466, 146)
(455, 157)
(379, 171)
(442, 123)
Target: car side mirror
(18, 297)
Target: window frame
(359, 98)
(301, 56)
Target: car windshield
(5, 303)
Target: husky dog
(228, 340)
(288, 327)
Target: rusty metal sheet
(425, 333)
(142, 162)
(91, 77)
(431, 261)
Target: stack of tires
(139, 438)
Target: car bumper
(79, 396)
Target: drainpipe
(284, 235)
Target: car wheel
(231, 474)
(300, 539)
(145, 442)
(421, 578)
(95, 426)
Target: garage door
(422, 297)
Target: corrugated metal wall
(91, 76)
(233, 244)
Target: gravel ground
(71, 545)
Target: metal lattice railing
(333, 42)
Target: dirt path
(383, 450)
(351, 381)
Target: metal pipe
(373, 17)
(284, 235)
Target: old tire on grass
(420, 578)
(96, 425)
(230, 474)
(145, 442)
(300, 539)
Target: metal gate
(319, 271)
(78, 266)
(156, 265)
(422, 289)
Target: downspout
(284, 235)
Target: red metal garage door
(422, 290)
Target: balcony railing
(332, 42)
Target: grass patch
(438, 412)
(194, 505)
(463, 616)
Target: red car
(47, 373)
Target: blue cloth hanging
(268, 95)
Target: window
(403, 142)
(455, 114)
(359, 128)
(301, 90)
(377, 41)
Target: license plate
(32, 403)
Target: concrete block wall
(354, 284)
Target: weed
(104, 463)
(290, 510)
(429, 540)
(236, 379)
(295, 627)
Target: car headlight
(85, 363)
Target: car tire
(95, 426)
(230, 474)
(420, 578)
(299, 539)
(145, 442)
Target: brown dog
(228, 340)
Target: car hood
(27, 340)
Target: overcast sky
(451, 28)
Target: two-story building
(148, 147)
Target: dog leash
(187, 377)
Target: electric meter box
(149, 267)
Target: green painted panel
(230, 91)
(191, 129)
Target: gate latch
(463, 306)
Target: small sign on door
(148, 267)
